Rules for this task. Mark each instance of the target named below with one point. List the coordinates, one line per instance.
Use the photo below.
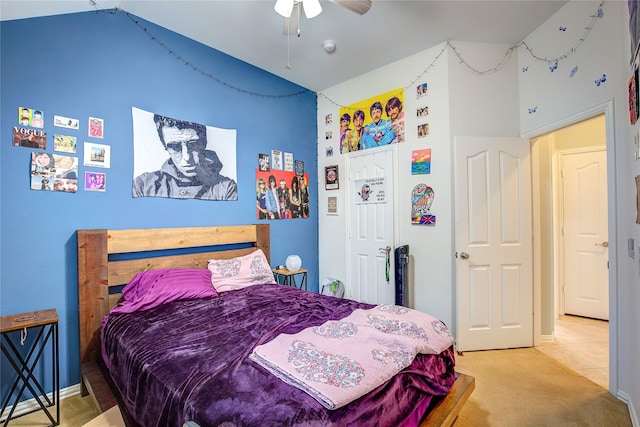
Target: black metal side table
(44, 324)
(288, 277)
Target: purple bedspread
(188, 361)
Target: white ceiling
(252, 31)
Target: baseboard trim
(621, 395)
(547, 338)
(632, 411)
(28, 406)
(633, 414)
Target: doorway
(582, 259)
(370, 262)
(580, 133)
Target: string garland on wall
(187, 63)
(597, 15)
(594, 17)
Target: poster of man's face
(182, 159)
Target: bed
(108, 259)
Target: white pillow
(240, 272)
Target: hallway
(581, 344)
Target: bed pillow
(149, 289)
(240, 272)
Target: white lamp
(284, 7)
(311, 8)
(293, 263)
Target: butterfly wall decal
(573, 71)
(601, 80)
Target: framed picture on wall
(633, 97)
(95, 181)
(276, 160)
(263, 163)
(332, 206)
(97, 155)
(96, 127)
(331, 179)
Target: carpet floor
(514, 388)
(524, 387)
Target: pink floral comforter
(341, 360)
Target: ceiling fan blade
(292, 23)
(311, 8)
(358, 6)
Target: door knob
(603, 244)
(464, 255)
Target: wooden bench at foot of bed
(446, 410)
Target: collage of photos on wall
(422, 111)
(53, 171)
(282, 190)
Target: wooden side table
(288, 278)
(44, 324)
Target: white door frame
(605, 108)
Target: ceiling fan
(290, 9)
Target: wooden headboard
(98, 271)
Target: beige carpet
(524, 387)
(521, 387)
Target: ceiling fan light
(284, 7)
(312, 8)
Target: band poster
(372, 122)
(281, 194)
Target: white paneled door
(493, 243)
(371, 229)
(585, 222)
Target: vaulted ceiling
(251, 30)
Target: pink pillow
(149, 289)
(240, 272)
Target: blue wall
(100, 65)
